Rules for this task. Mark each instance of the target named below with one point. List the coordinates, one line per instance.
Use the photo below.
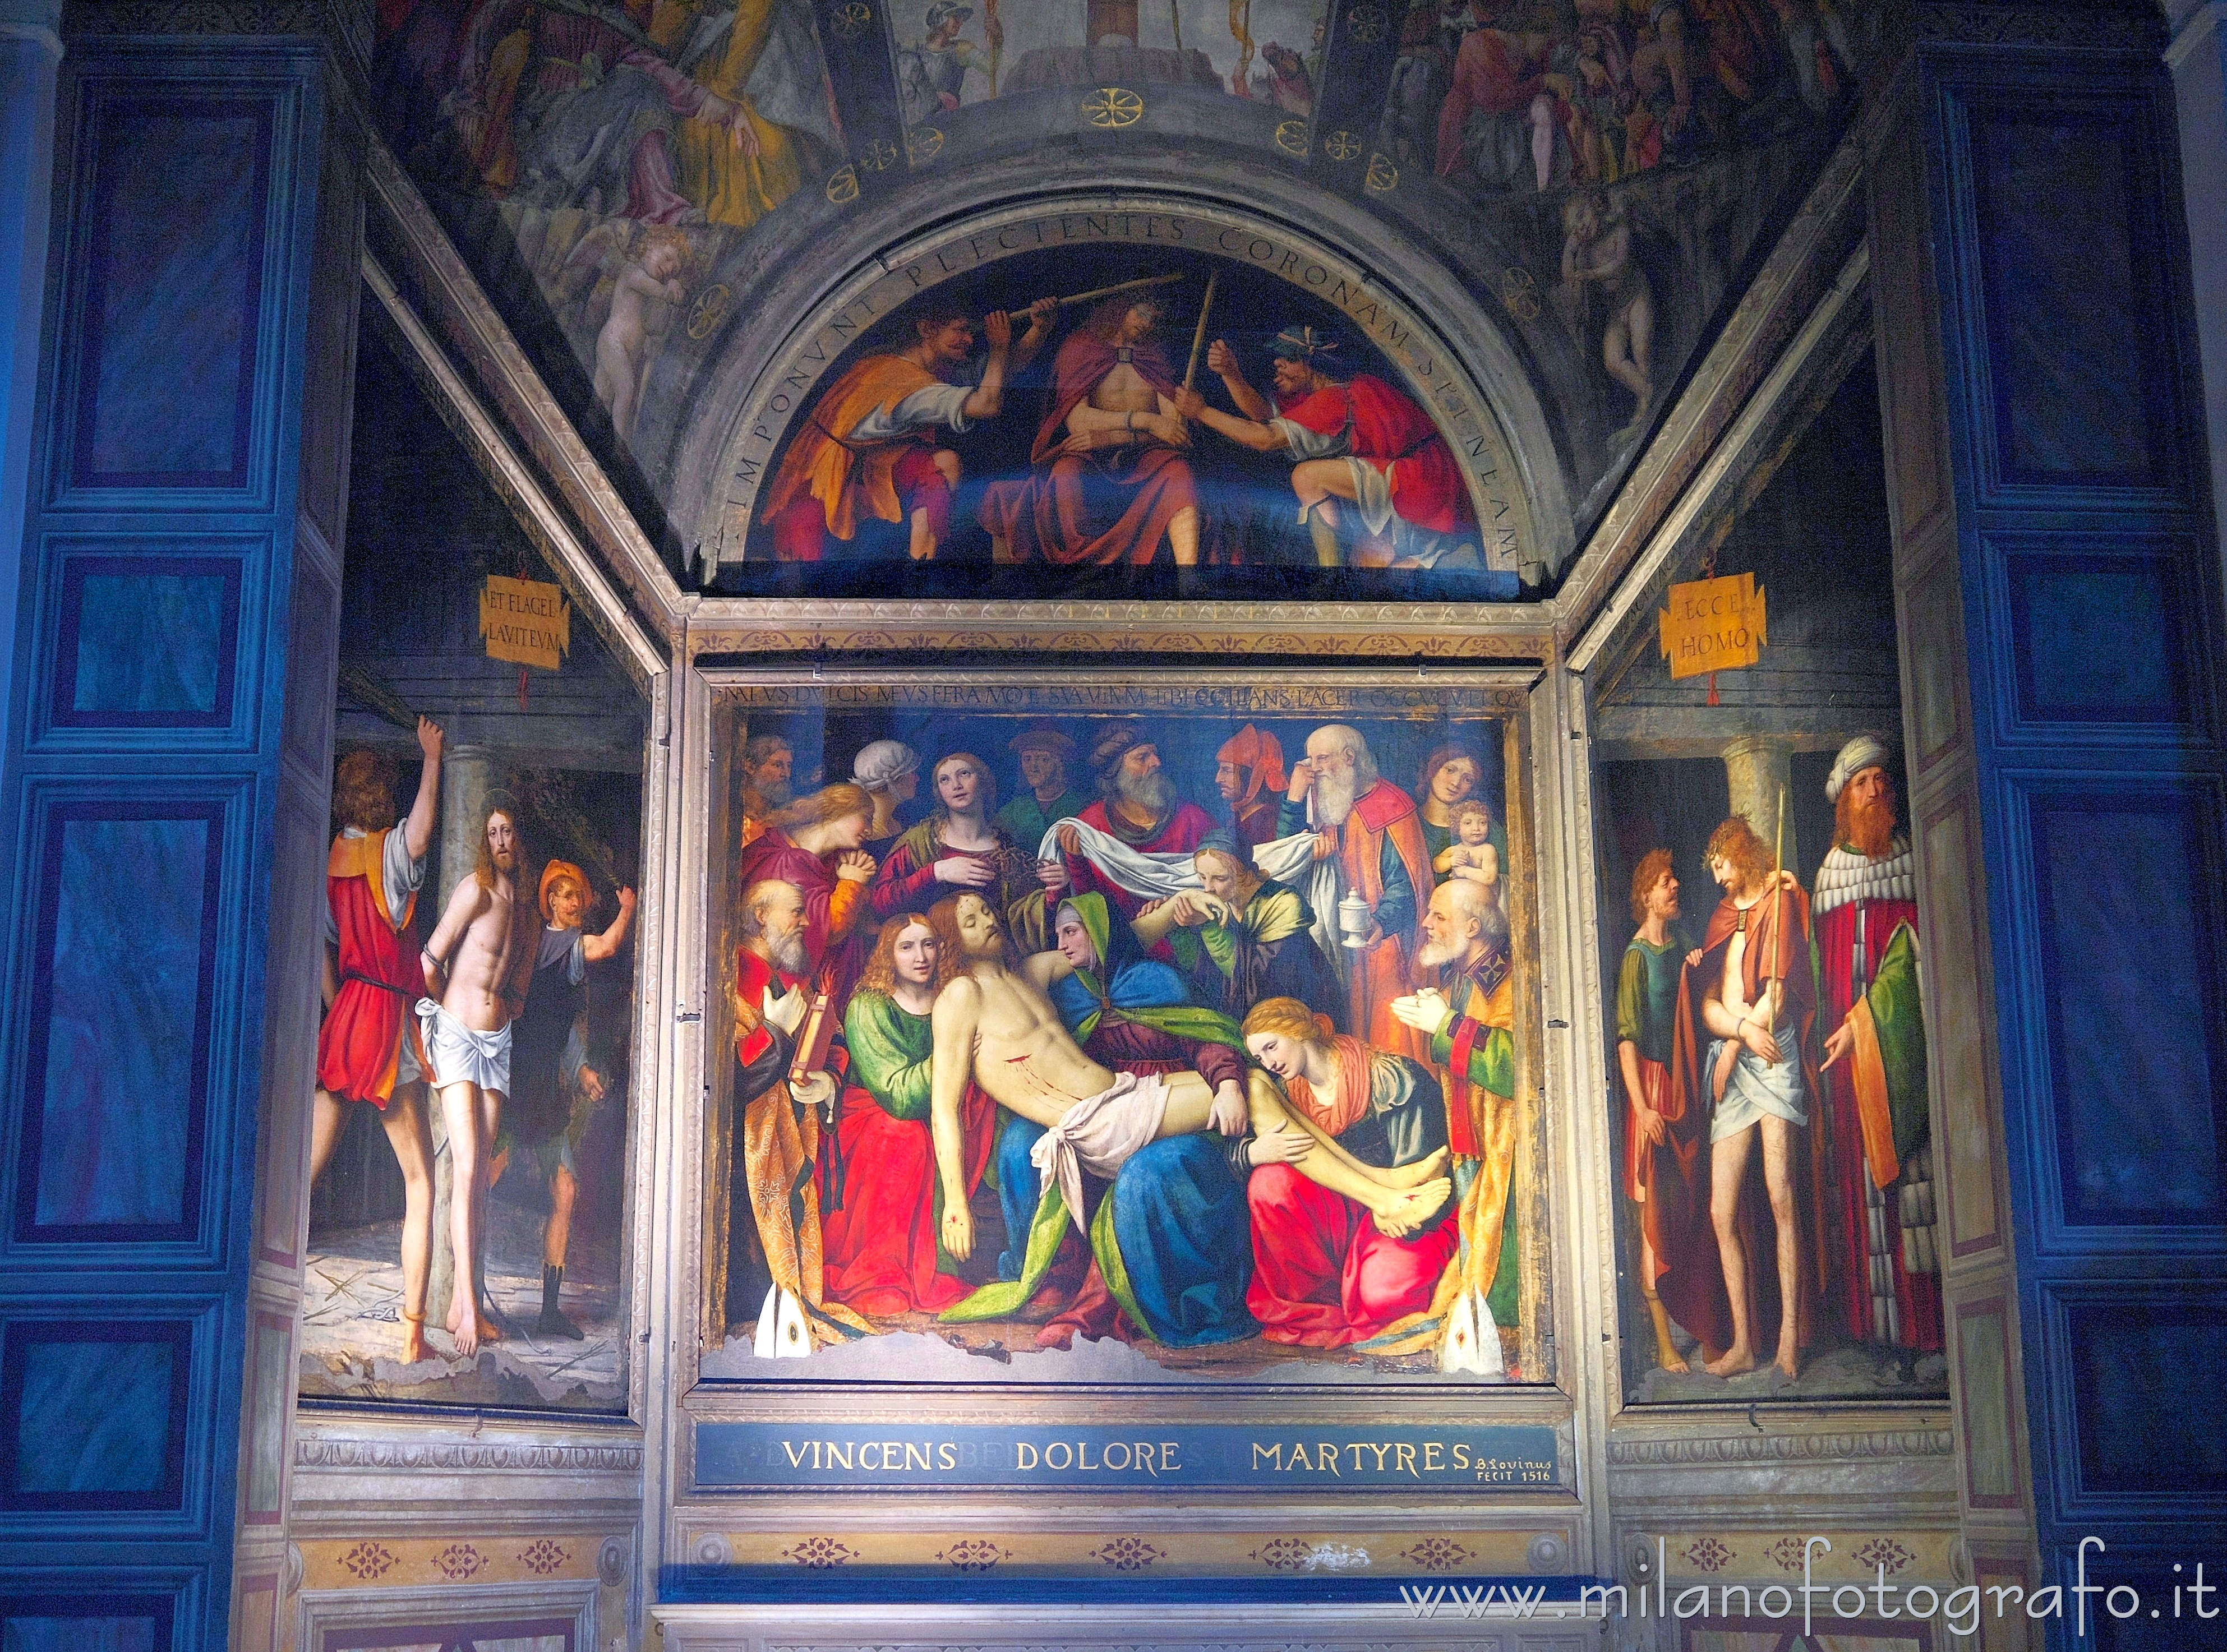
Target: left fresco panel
(472, 1103)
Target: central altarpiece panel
(1122, 1093)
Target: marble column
(468, 777)
(1761, 768)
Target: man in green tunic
(1646, 1017)
(1045, 797)
(1256, 935)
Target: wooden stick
(1778, 959)
(1198, 337)
(1119, 286)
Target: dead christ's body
(996, 1026)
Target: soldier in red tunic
(367, 1047)
(1372, 468)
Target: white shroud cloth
(1154, 875)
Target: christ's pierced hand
(1228, 1115)
(958, 1231)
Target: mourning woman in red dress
(1324, 1273)
(880, 1199)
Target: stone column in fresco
(1760, 768)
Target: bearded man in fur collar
(1887, 1286)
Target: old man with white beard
(1368, 864)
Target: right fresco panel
(1766, 964)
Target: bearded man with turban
(1887, 1287)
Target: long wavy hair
(943, 918)
(363, 791)
(880, 974)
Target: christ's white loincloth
(1757, 1089)
(463, 1054)
(1100, 1133)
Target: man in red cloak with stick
(1751, 987)
(1372, 466)
(1111, 481)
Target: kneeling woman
(880, 1198)
(1324, 1273)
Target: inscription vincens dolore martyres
(879, 1456)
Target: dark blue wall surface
(2090, 605)
(142, 753)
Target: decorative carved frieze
(1690, 1450)
(405, 1456)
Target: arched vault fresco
(1572, 194)
(1274, 284)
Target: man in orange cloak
(1370, 828)
(869, 446)
(367, 1048)
(1744, 1055)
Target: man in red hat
(1248, 771)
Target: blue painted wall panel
(142, 763)
(30, 1634)
(2129, 956)
(118, 1049)
(2140, 1370)
(92, 1416)
(2102, 639)
(173, 294)
(147, 642)
(2071, 291)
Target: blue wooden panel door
(2089, 575)
(142, 769)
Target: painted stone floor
(915, 1348)
(352, 1329)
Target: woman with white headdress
(890, 770)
